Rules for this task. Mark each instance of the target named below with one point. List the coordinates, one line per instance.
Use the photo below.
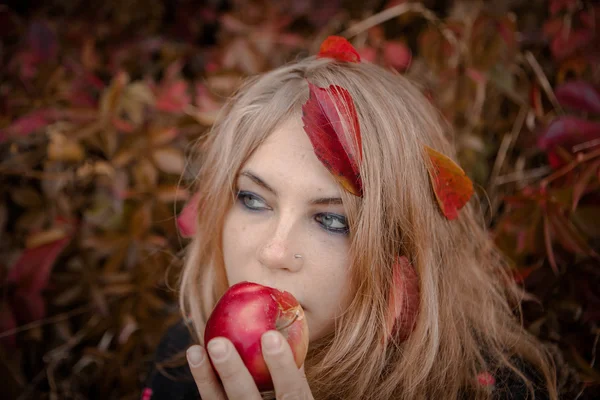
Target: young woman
(403, 300)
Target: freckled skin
(245, 312)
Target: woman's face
(288, 204)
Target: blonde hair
(466, 321)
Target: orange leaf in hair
(338, 48)
(331, 122)
(452, 187)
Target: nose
(279, 245)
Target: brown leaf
(169, 160)
(62, 149)
(145, 175)
(26, 196)
(45, 237)
(141, 220)
(171, 193)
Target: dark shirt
(180, 385)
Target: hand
(237, 383)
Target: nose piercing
(297, 256)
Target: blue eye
(333, 223)
(251, 201)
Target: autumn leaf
(29, 124)
(186, 220)
(338, 48)
(452, 187)
(403, 302)
(397, 55)
(331, 122)
(579, 95)
(566, 132)
(29, 276)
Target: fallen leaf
(32, 269)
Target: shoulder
(169, 376)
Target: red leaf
(403, 300)
(186, 221)
(338, 48)
(566, 132)
(397, 55)
(41, 47)
(28, 306)
(32, 269)
(452, 187)
(172, 94)
(331, 122)
(558, 5)
(29, 123)
(42, 41)
(567, 42)
(580, 95)
(368, 54)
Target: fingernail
(195, 356)
(271, 342)
(217, 350)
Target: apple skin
(245, 312)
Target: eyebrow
(318, 201)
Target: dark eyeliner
(339, 231)
(241, 194)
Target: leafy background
(100, 106)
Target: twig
(585, 145)
(507, 143)
(523, 176)
(56, 318)
(581, 158)
(37, 174)
(396, 11)
(506, 146)
(537, 69)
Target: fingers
(235, 379)
(204, 376)
(289, 381)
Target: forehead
(287, 156)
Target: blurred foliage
(100, 107)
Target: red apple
(245, 312)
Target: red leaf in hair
(452, 187)
(403, 300)
(186, 220)
(338, 48)
(331, 122)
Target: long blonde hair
(466, 320)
